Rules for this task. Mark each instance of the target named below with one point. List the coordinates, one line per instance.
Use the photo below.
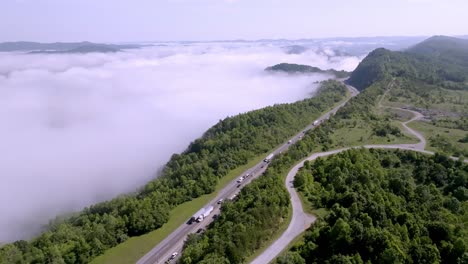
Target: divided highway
(175, 241)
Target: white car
(174, 255)
(241, 179)
(220, 201)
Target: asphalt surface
(175, 241)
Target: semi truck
(269, 157)
(197, 215)
(206, 212)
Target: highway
(175, 241)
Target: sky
(166, 20)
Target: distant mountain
(437, 60)
(82, 49)
(454, 50)
(301, 69)
(63, 47)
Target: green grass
(363, 135)
(306, 204)
(136, 247)
(438, 99)
(451, 135)
(320, 212)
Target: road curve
(300, 220)
(174, 242)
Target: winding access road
(301, 220)
(162, 252)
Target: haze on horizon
(164, 20)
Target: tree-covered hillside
(438, 60)
(292, 68)
(448, 49)
(384, 207)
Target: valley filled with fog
(76, 129)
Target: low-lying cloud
(78, 129)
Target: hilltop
(291, 68)
(437, 60)
(442, 47)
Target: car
(220, 201)
(238, 186)
(173, 256)
(241, 179)
(263, 166)
(200, 230)
(215, 216)
(290, 141)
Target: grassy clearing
(136, 247)
(320, 212)
(361, 134)
(450, 136)
(429, 97)
(306, 204)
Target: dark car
(199, 231)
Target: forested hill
(384, 207)
(292, 68)
(444, 47)
(437, 60)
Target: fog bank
(78, 129)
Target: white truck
(233, 197)
(206, 212)
(269, 157)
(197, 215)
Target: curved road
(175, 241)
(300, 220)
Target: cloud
(79, 129)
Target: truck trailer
(206, 212)
(269, 157)
(197, 215)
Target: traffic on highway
(169, 249)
